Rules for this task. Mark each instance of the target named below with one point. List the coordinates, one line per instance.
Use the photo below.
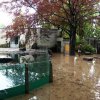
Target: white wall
(13, 45)
(2, 38)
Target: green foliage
(78, 41)
(88, 48)
(85, 47)
(90, 31)
(66, 36)
(4, 45)
(46, 25)
(97, 32)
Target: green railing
(18, 79)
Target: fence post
(51, 73)
(26, 79)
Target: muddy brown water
(74, 79)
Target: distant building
(43, 37)
(3, 39)
(14, 42)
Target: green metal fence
(13, 80)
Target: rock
(88, 58)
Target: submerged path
(74, 79)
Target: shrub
(4, 45)
(87, 48)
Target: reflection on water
(5, 56)
(5, 82)
(97, 91)
(93, 62)
(11, 76)
(97, 95)
(33, 98)
(91, 71)
(75, 60)
(83, 77)
(98, 83)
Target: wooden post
(26, 79)
(51, 73)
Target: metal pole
(26, 79)
(51, 73)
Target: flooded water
(74, 79)
(5, 83)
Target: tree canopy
(68, 15)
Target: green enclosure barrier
(13, 77)
(41, 72)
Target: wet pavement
(74, 79)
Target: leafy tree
(20, 25)
(91, 32)
(88, 30)
(17, 27)
(67, 15)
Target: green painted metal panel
(39, 72)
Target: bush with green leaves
(88, 48)
(4, 45)
(85, 47)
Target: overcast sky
(5, 18)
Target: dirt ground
(73, 79)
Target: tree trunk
(72, 42)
